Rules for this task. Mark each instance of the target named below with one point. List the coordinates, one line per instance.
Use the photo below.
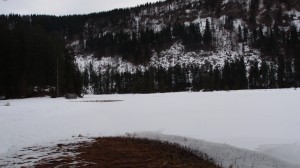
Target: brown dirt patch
(129, 152)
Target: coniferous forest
(35, 57)
(32, 61)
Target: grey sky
(64, 7)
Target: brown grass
(129, 152)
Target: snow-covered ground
(224, 155)
(262, 120)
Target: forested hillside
(173, 45)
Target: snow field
(258, 119)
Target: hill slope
(177, 45)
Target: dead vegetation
(128, 152)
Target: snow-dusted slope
(227, 46)
(244, 119)
(229, 42)
(176, 54)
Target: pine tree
(281, 76)
(229, 23)
(207, 37)
(242, 74)
(245, 34)
(240, 37)
(217, 79)
(226, 76)
(272, 77)
(294, 52)
(86, 78)
(264, 73)
(254, 76)
(253, 13)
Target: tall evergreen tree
(207, 37)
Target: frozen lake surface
(259, 120)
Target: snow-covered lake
(262, 120)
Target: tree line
(232, 76)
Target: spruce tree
(207, 37)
